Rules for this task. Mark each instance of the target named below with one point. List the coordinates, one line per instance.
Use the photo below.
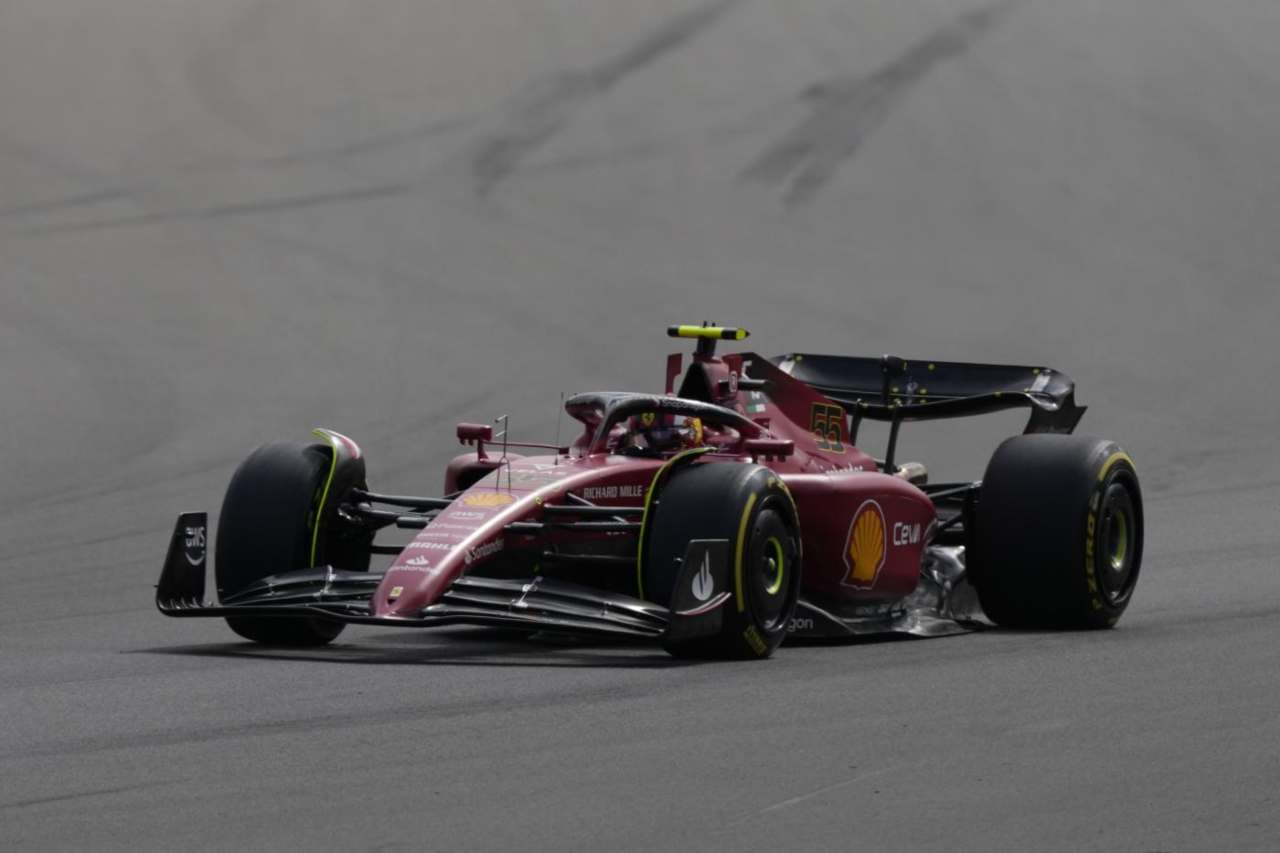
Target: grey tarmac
(226, 223)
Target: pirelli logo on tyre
(865, 547)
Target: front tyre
(1058, 533)
(266, 527)
(748, 506)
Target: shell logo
(487, 499)
(865, 549)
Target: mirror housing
(769, 448)
(472, 433)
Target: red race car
(717, 519)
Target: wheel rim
(1119, 535)
(1119, 538)
(775, 567)
(771, 563)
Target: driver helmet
(665, 431)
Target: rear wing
(894, 389)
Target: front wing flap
(537, 603)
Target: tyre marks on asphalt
(246, 208)
(546, 106)
(845, 111)
(535, 116)
(406, 136)
(87, 199)
(96, 792)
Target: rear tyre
(1058, 533)
(748, 506)
(265, 528)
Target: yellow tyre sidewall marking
(737, 555)
(1090, 571)
(1112, 460)
(324, 495)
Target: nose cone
(411, 585)
(472, 530)
(469, 531)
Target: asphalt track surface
(224, 223)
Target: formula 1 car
(719, 518)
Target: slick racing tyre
(748, 506)
(266, 527)
(1058, 533)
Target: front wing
(536, 603)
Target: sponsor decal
(537, 473)
(800, 623)
(606, 493)
(733, 382)
(487, 499)
(465, 515)
(420, 564)
(436, 534)
(428, 546)
(905, 534)
(396, 592)
(193, 544)
(826, 422)
(866, 545)
(756, 403)
(444, 525)
(703, 584)
(479, 552)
